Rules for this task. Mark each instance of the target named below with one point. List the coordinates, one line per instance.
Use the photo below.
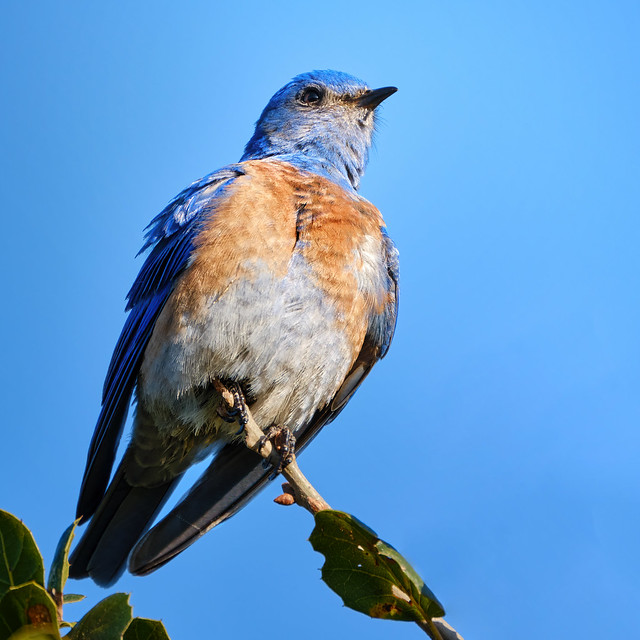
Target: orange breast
(271, 213)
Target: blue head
(322, 121)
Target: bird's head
(321, 118)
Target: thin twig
(446, 630)
(305, 493)
(439, 629)
(430, 629)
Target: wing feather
(170, 240)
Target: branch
(303, 492)
(300, 491)
(438, 629)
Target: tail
(123, 516)
(233, 478)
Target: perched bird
(272, 275)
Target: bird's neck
(343, 164)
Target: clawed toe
(233, 407)
(283, 441)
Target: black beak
(371, 99)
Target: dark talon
(236, 412)
(228, 414)
(269, 434)
(283, 441)
(239, 405)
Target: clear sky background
(498, 445)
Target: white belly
(278, 337)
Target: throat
(344, 166)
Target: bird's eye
(309, 96)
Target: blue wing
(170, 240)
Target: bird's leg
(283, 441)
(233, 407)
(240, 405)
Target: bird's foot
(233, 407)
(284, 443)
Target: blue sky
(497, 446)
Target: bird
(272, 276)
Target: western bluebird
(272, 275)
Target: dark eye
(310, 96)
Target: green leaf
(59, 571)
(20, 560)
(367, 573)
(106, 621)
(145, 629)
(28, 611)
(72, 597)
